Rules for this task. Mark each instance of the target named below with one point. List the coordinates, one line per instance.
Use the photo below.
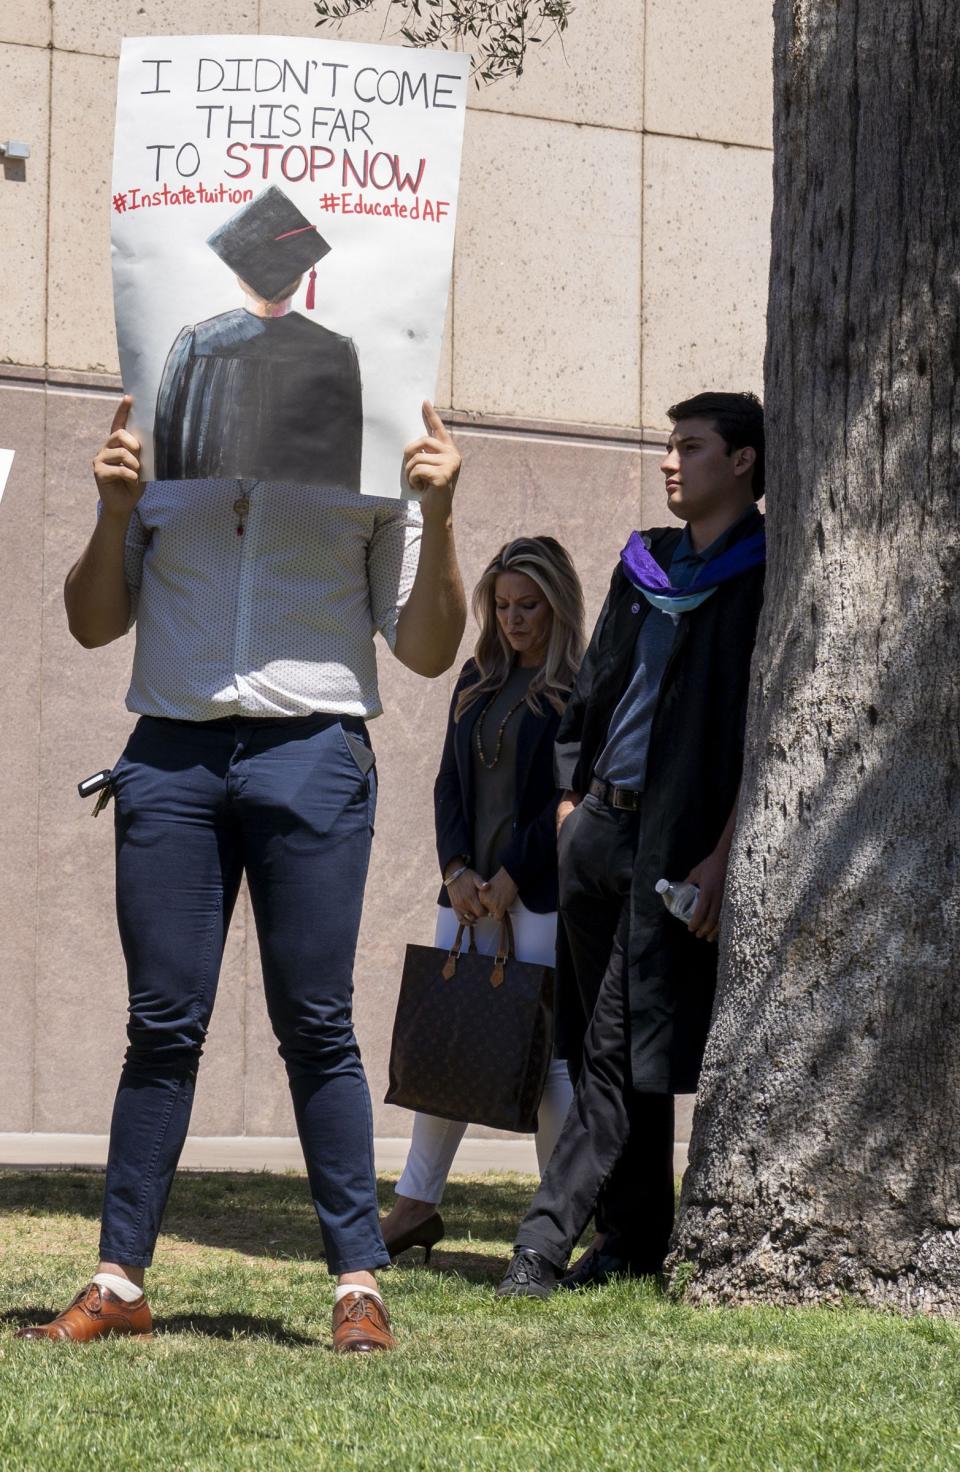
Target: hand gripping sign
(283, 216)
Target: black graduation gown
(272, 398)
(693, 774)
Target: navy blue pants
(290, 803)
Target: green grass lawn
(240, 1374)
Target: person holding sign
(254, 674)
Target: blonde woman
(495, 804)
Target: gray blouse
(495, 795)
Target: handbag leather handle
(505, 950)
(450, 965)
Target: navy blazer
(531, 856)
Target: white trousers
(434, 1142)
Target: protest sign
(283, 215)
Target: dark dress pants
(596, 850)
(614, 1157)
(291, 804)
(615, 1143)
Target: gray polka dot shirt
(275, 621)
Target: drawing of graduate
(262, 391)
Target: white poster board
(243, 160)
(6, 461)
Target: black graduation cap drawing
(270, 244)
(262, 391)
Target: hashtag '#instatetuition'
(119, 203)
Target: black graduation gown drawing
(270, 398)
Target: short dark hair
(737, 418)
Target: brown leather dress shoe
(94, 1313)
(360, 1324)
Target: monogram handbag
(473, 1035)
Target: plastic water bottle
(680, 899)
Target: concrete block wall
(611, 257)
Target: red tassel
(311, 293)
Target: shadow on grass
(263, 1215)
(208, 1326)
(489, 1211)
(233, 1326)
(32, 1313)
(472, 1267)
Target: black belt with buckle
(627, 798)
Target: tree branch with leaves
(496, 32)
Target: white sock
(122, 1287)
(345, 1288)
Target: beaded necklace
(477, 730)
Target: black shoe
(426, 1235)
(604, 1264)
(528, 1276)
